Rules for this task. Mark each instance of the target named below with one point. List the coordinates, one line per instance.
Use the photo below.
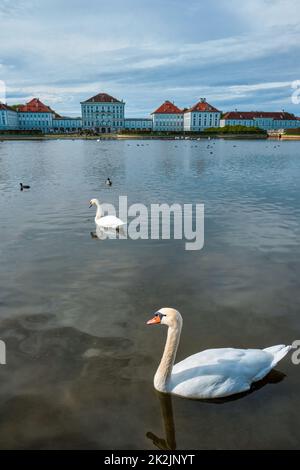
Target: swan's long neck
(99, 211)
(165, 367)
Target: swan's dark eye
(160, 315)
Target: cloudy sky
(238, 54)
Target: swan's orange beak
(154, 320)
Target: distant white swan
(110, 221)
(212, 373)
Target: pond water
(80, 358)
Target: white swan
(212, 373)
(110, 221)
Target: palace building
(201, 116)
(103, 113)
(168, 117)
(35, 115)
(138, 124)
(8, 118)
(261, 119)
(66, 124)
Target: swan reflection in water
(165, 401)
(104, 233)
(169, 443)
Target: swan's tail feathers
(278, 352)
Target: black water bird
(24, 186)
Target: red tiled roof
(167, 108)
(35, 106)
(203, 106)
(102, 98)
(279, 116)
(5, 107)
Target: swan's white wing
(109, 221)
(219, 372)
